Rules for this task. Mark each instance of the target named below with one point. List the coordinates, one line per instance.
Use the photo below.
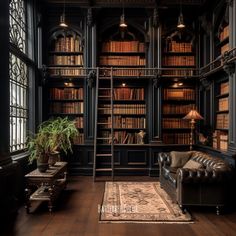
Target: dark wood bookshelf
(65, 92)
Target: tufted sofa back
(209, 162)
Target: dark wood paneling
(137, 157)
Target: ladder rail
(95, 125)
(112, 130)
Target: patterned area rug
(139, 202)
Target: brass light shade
(180, 24)
(193, 115)
(62, 21)
(62, 17)
(122, 21)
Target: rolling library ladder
(104, 105)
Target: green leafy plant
(54, 135)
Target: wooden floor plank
(76, 214)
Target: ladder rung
(103, 108)
(100, 123)
(101, 96)
(104, 88)
(104, 169)
(103, 138)
(104, 155)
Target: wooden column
(155, 89)
(232, 80)
(90, 59)
(4, 88)
(9, 171)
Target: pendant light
(62, 17)
(180, 24)
(122, 19)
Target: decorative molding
(155, 22)
(229, 2)
(229, 68)
(157, 79)
(205, 24)
(205, 82)
(91, 78)
(90, 17)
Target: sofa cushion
(192, 165)
(178, 159)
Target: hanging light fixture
(122, 19)
(180, 24)
(62, 17)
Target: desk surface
(50, 172)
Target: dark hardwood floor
(77, 214)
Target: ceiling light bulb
(181, 21)
(122, 21)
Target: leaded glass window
(18, 24)
(19, 72)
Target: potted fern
(53, 136)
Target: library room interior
(118, 117)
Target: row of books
(67, 44)
(224, 88)
(124, 122)
(123, 46)
(178, 61)
(66, 72)
(66, 93)
(123, 72)
(224, 48)
(175, 123)
(173, 46)
(79, 139)
(176, 138)
(179, 94)
(122, 137)
(67, 107)
(122, 61)
(222, 121)
(224, 33)
(119, 109)
(124, 93)
(128, 93)
(182, 72)
(220, 140)
(177, 109)
(79, 122)
(66, 60)
(223, 104)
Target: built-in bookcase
(220, 135)
(65, 82)
(129, 113)
(123, 54)
(178, 56)
(66, 54)
(178, 91)
(222, 43)
(177, 102)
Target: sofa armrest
(202, 176)
(164, 158)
